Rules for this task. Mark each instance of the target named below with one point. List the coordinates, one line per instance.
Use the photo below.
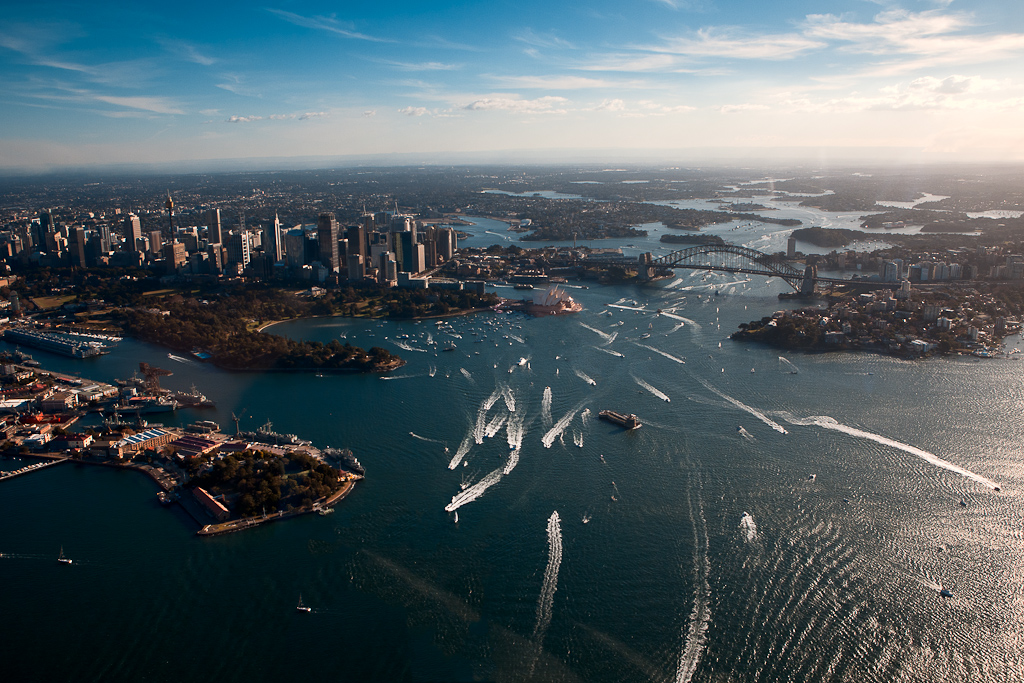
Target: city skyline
(922, 80)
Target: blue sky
(140, 82)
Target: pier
(30, 468)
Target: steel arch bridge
(729, 258)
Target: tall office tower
(355, 267)
(274, 243)
(132, 231)
(170, 216)
(44, 228)
(156, 242)
(356, 236)
(388, 269)
(368, 223)
(216, 236)
(174, 253)
(238, 248)
(447, 242)
(78, 248)
(295, 247)
(411, 255)
(215, 257)
(327, 232)
(105, 241)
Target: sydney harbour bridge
(730, 258)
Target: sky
(146, 83)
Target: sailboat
(62, 559)
(302, 608)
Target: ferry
(626, 421)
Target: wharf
(30, 468)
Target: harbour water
(710, 553)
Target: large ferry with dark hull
(625, 421)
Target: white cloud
(328, 24)
(952, 93)
(936, 37)
(541, 105)
(414, 111)
(611, 105)
(187, 51)
(730, 43)
(548, 40)
(423, 66)
(369, 113)
(242, 119)
(209, 112)
(158, 105)
(560, 82)
(312, 115)
(733, 108)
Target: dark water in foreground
(710, 554)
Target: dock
(30, 468)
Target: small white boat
(522, 362)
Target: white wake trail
(748, 527)
(545, 407)
(407, 347)
(700, 616)
(585, 417)
(556, 431)
(743, 406)
(495, 425)
(660, 394)
(609, 351)
(474, 491)
(604, 335)
(464, 447)
(663, 353)
(546, 601)
(830, 423)
(510, 399)
(585, 377)
(424, 438)
(515, 430)
(480, 429)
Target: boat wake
(663, 353)
(585, 417)
(510, 399)
(474, 491)
(785, 365)
(545, 407)
(466, 374)
(604, 335)
(831, 423)
(700, 617)
(586, 378)
(464, 447)
(495, 425)
(744, 433)
(546, 601)
(743, 406)
(433, 370)
(560, 426)
(424, 438)
(609, 352)
(577, 438)
(660, 394)
(398, 377)
(748, 528)
(179, 359)
(407, 347)
(518, 339)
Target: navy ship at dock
(266, 434)
(344, 459)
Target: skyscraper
(214, 226)
(132, 231)
(327, 233)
